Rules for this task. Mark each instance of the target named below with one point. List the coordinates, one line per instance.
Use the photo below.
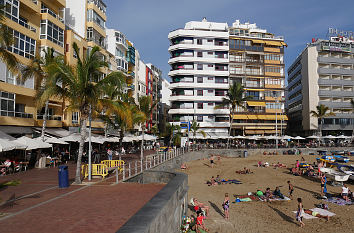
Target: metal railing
(48, 11)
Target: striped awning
(274, 43)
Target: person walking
(291, 189)
(300, 212)
(110, 154)
(323, 185)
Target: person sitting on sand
(200, 223)
(201, 206)
(316, 214)
(212, 181)
(268, 194)
(277, 193)
(345, 192)
(184, 166)
(260, 194)
(260, 164)
(217, 179)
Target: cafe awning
(273, 43)
(255, 103)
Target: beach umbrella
(52, 140)
(313, 137)
(6, 145)
(298, 138)
(75, 137)
(329, 137)
(239, 137)
(32, 144)
(286, 137)
(253, 137)
(343, 137)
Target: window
(20, 108)
(7, 104)
(10, 78)
(199, 92)
(209, 65)
(200, 54)
(200, 105)
(99, 4)
(273, 106)
(75, 118)
(200, 67)
(52, 32)
(23, 45)
(210, 104)
(200, 79)
(210, 40)
(92, 16)
(210, 78)
(210, 91)
(210, 53)
(199, 118)
(253, 94)
(199, 41)
(273, 57)
(274, 69)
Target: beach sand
(257, 216)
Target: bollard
(136, 167)
(130, 170)
(117, 175)
(123, 172)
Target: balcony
(335, 71)
(51, 118)
(336, 93)
(54, 15)
(16, 118)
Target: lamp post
(90, 148)
(276, 126)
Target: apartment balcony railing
(21, 22)
(16, 114)
(51, 118)
(48, 11)
(35, 2)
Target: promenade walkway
(38, 205)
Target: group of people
(268, 194)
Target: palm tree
(322, 112)
(6, 41)
(195, 129)
(234, 97)
(37, 69)
(146, 106)
(173, 134)
(78, 88)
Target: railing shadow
(217, 209)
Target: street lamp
(276, 119)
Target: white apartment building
(323, 74)
(117, 45)
(200, 76)
(165, 92)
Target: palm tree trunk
(121, 136)
(231, 121)
(81, 150)
(105, 129)
(44, 119)
(142, 146)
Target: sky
(147, 22)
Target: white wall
(166, 92)
(111, 41)
(75, 16)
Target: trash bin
(63, 176)
(245, 153)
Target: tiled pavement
(40, 206)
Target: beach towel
(277, 199)
(323, 212)
(231, 181)
(339, 201)
(306, 216)
(318, 210)
(245, 199)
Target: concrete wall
(164, 212)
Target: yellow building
(256, 61)
(38, 25)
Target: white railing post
(150, 162)
(154, 157)
(130, 171)
(123, 172)
(117, 179)
(136, 167)
(141, 166)
(146, 164)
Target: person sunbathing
(244, 171)
(268, 194)
(212, 181)
(279, 165)
(201, 206)
(316, 214)
(184, 166)
(218, 179)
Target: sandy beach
(257, 216)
